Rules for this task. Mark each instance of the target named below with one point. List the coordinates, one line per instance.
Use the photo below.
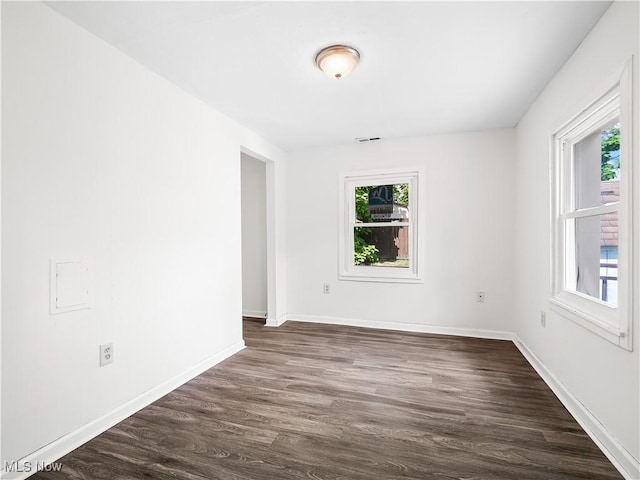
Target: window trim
(614, 100)
(346, 216)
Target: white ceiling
(426, 67)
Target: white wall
(254, 237)
(602, 376)
(104, 159)
(468, 234)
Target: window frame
(347, 270)
(613, 323)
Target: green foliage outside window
(363, 252)
(610, 153)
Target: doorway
(254, 237)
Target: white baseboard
(404, 327)
(50, 453)
(254, 313)
(276, 322)
(619, 456)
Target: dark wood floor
(307, 401)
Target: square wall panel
(70, 285)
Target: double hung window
(591, 193)
(379, 226)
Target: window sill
(590, 322)
(357, 277)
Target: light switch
(70, 287)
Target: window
(591, 197)
(379, 226)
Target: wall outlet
(543, 318)
(479, 296)
(326, 289)
(106, 354)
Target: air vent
(367, 139)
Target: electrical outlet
(543, 318)
(479, 296)
(106, 354)
(326, 289)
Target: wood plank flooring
(321, 402)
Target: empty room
(320, 240)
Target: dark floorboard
(310, 401)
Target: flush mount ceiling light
(337, 61)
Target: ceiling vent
(367, 139)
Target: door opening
(254, 237)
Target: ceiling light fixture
(337, 61)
